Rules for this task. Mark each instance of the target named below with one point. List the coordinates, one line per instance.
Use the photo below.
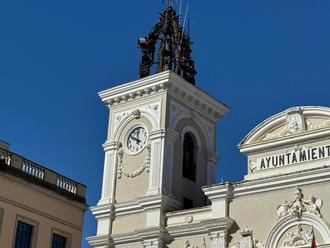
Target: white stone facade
(282, 202)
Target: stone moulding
(288, 222)
(291, 126)
(161, 82)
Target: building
(160, 158)
(38, 207)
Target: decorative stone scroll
(144, 167)
(298, 238)
(299, 206)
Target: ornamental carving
(131, 174)
(299, 206)
(298, 238)
(247, 240)
(294, 123)
(312, 125)
(152, 109)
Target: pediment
(291, 122)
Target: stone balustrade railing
(21, 166)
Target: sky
(258, 57)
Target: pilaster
(109, 173)
(157, 161)
(212, 161)
(170, 139)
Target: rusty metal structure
(173, 48)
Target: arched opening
(189, 157)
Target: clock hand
(134, 138)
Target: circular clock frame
(128, 135)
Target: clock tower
(160, 146)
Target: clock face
(137, 139)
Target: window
(58, 241)
(23, 237)
(189, 157)
(187, 203)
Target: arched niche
(131, 116)
(183, 115)
(284, 224)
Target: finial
(173, 44)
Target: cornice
(272, 183)
(203, 227)
(139, 235)
(129, 91)
(188, 211)
(255, 140)
(140, 205)
(314, 135)
(170, 82)
(98, 241)
(218, 191)
(194, 96)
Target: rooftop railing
(22, 167)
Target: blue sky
(259, 57)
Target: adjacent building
(39, 208)
(160, 160)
